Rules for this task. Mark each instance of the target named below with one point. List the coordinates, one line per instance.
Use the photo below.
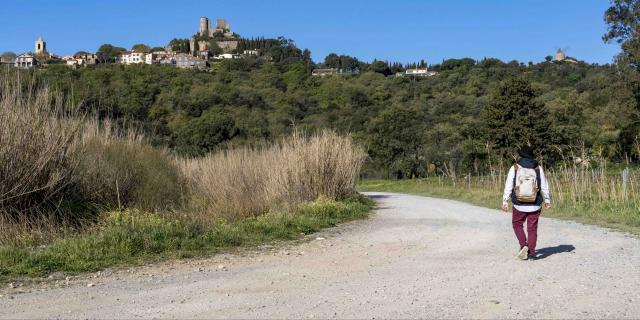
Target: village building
(40, 46)
(86, 58)
(70, 61)
(322, 72)
(562, 57)
(133, 57)
(25, 61)
(251, 52)
(187, 61)
(8, 60)
(227, 56)
(157, 57)
(420, 72)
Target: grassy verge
(134, 237)
(622, 215)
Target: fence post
(625, 179)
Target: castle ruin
(222, 26)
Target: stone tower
(41, 46)
(205, 26)
(560, 56)
(223, 25)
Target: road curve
(416, 257)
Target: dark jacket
(529, 164)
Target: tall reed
(35, 149)
(248, 182)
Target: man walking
(527, 188)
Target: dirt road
(415, 258)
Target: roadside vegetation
(80, 195)
(601, 196)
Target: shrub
(116, 172)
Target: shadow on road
(378, 196)
(545, 252)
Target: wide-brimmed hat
(526, 152)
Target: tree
(623, 20)
(139, 47)
(306, 59)
(514, 118)
(548, 58)
(395, 141)
(180, 45)
(332, 60)
(107, 53)
(8, 56)
(206, 133)
(156, 49)
(214, 48)
(380, 67)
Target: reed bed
(248, 182)
(36, 166)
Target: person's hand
(547, 205)
(505, 207)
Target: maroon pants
(518, 220)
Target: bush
(117, 173)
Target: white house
(251, 52)
(227, 56)
(25, 61)
(157, 56)
(420, 72)
(132, 57)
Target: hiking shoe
(523, 254)
(532, 257)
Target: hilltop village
(208, 45)
(211, 44)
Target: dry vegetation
(63, 179)
(248, 182)
(36, 163)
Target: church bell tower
(41, 46)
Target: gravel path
(416, 257)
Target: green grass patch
(133, 237)
(623, 216)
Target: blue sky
(400, 30)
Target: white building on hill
(132, 57)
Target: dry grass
(58, 171)
(36, 166)
(249, 182)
